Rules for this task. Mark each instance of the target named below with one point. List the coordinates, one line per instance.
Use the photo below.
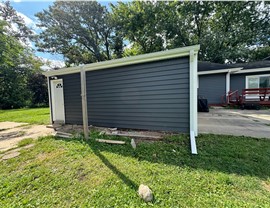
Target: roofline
(218, 71)
(244, 71)
(162, 55)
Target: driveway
(253, 123)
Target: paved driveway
(254, 123)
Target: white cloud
(50, 64)
(28, 21)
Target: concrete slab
(253, 123)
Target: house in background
(217, 80)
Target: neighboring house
(156, 91)
(216, 80)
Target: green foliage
(81, 31)
(226, 31)
(37, 85)
(228, 172)
(31, 116)
(18, 65)
(9, 15)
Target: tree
(226, 31)
(17, 27)
(81, 31)
(140, 23)
(17, 62)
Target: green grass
(25, 142)
(25, 115)
(228, 172)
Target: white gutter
(253, 70)
(232, 70)
(174, 53)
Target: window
(258, 81)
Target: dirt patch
(10, 155)
(9, 125)
(15, 132)
(14, 152)
(266, 186)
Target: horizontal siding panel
(142, 93)
(129, 80)
(139, 115)
(141, 97)
(150, 126)
(140, 68)
(183, 82)
(212, 87)
(142, 89)
(138, 76)
(140, 106)
(139, 119)
(137, 110)
(140, 101)
(153, 96)
(72, 98)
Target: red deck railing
(255, 95)
(259, 96)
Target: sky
(27, 9)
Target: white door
(58, 108)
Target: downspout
(193, 85)
(228, 84)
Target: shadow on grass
(227, 154)
(122, 176)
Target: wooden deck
(253, 96)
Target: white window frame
(254, 76)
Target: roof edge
(218, 71)
(244, 71)
(144, 58)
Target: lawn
(228, 172)
(26, 115)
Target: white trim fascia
(162, 55)
(232, 70)
(193, 84)
(253, 70)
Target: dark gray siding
(72, 98)
(152, 96)
(212, 87)
(238, 81)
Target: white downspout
(193, 85)
(228, 84)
